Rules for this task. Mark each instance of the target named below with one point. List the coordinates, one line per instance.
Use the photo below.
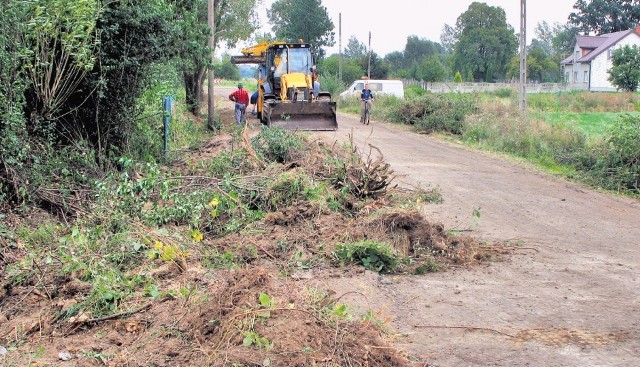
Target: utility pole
(211, 107)
(340, 46)
(523, 55)
(369, 66)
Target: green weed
(375, 256)
(276, 144)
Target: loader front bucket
(301, 115)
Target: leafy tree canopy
(432, 69)
(351, 69)
(625, 73)
(417, 49)
(234, 21)
(485, 42)
(563, 37)
(302, 19)
(395, 59)
(448, 38)
(605, 16)
(379, 68)
(355, 49)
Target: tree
(485, 42)
(134, 36)
(302, 19)
(263, 37)
(605, 16)
(543, 37)
(432, 70)
(457, 78)
(62, 37)
(418, 49)
(14, 147)
(543, 59)
(234, 21)
(355, 49)
(540, 66)
(625, 73)
(448, 38)
(564, 35)
(226, 70)
(351, 69)
(396, 62)
(379, 68)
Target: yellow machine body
(285, 87)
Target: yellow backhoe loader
(286, 88)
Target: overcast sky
(392, 21)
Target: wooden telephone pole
(211, 107)
(523, 55)
(369, 65)
(340, 46)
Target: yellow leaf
(197, 236)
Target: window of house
(566, 77)
(577, 54)
(610, 53)
(586, 76)
(575, 76)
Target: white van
(390, 87)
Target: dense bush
(614, 164)
(431, 112)
(330, 83)
(276, 144)
(413, 91)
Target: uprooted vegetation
(198, 262)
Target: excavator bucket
(301, 115)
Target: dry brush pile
(192, 263)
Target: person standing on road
(315, 81)
(254, 101)
(366, 99)
(241, 98)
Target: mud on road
(569, 297)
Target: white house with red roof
(588, 67)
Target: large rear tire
(265, 118)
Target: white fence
(492, 87)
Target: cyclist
(366, 99)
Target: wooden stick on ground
(463, 327)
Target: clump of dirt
(233, 301)
(417, 238)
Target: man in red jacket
(241, 98)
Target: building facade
(588, 67)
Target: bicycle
(366, 114)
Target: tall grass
(594, 124)
(501, 127)
(581, 101)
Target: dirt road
(572, 298)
